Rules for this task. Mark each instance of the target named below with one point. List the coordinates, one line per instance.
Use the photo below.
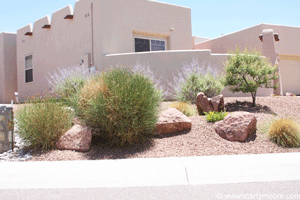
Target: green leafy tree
(247, 71)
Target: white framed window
(28, 69)
(148, 44)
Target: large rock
(172, 121)
(205, 104)
(78, 138)
(237, 126)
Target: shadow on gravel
(100, 150)
(247, 106)
(251, 138)
(34, 152)
(172, 134)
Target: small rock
(289, 94)
(78, 138)
(218, 103)
(172, 121)
(236, 127)
(203, 103)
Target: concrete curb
(150, 171)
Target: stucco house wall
(98, 28)
(8, 67)
(197, 39)
(249, 38)
(287, 47)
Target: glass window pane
(28, 76)
(28, 62)
(158, 45)
(141, 45)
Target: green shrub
(247, 71)
(42, 124)
(215, 116)
(123, 107)
(66, 82)
(285, 133)
(195, 79)
(208, 84)
(184, 107)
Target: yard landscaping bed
(201, 140)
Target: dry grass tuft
(285, 132)
(90, 91)
(185, 108)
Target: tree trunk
(253, 94)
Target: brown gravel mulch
(201, 140)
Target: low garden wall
(166, 64)
(6, 127)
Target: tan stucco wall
(290, 73)
(1, 68)
(118, 19)
(166, 65)
(289, 39)
(246, 38)
(115, 24)
(8, 67)
(249, 38)
(198, 39)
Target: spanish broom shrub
(122, 108)
(41, 124)
(285, 133)
(215, 116)
(184, 107)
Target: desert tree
(247, 71)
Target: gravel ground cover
(201, 140)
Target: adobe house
(286, 44)
(101, 33)
(93, 30)
(8, 67)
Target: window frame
(26, 69)
(150, 39)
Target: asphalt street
(260, 190)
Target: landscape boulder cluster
(237, 126)
(204, 104)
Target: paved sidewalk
(150, 172)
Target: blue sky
(210, 18)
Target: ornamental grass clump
(184, 107)
(41, 124)
(215, 116)
(90, 91)
(122, 108)
(285, 133)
